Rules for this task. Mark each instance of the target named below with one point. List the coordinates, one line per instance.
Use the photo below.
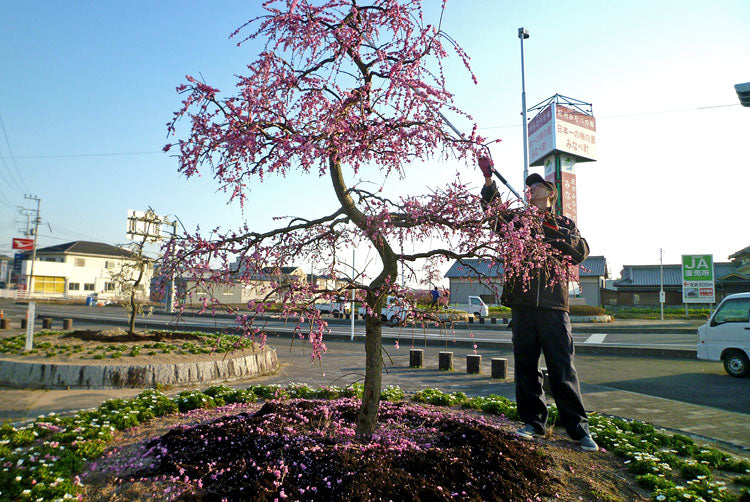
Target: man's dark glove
(486, 165)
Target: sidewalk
(344, 364)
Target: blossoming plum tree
(339, 86)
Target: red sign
(23, 244)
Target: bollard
(545, 385)
(471, 319)
(348, 316)
(4, 323)
(473, 363)
(67, 324)
(445, 361)
(481, 320)
(499, 367)
(505, 320)
(493, 320)
(416, 358)
(47, 323)
(24, 322)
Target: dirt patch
(305, 450)
(120, 336)
(116, 346)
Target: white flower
(660, 498)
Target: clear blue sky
(87, 87)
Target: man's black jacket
(561, 233)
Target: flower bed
(303, 439)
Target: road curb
(89, 376)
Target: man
(435, 297)
(541, 323)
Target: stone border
(591, 318)
(77, 376)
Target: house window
(74, 286)
(88, 286)
(109, 286)
(80, 262)
(46, 284)
(109, 264)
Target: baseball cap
(536, 178)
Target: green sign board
(698, 278)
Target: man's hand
(486, 165)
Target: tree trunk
(368, 413)
(141, 266)
(376, 296)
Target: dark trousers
(536, 330)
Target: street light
(523, 34)
(743, 92)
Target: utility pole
(661, 283)
(30, 286)
(523, 34)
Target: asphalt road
(680, 379)
(685, 380)
(606, 336)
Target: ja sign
(698, 278)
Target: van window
(475, 301)
(736, 310)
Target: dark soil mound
(120, 336)
(306, 450)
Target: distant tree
(339, 86)
(129, 278)
(130, 275)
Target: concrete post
(473, 363)
(67, 324)
(47, 323)
(416, 358)
(445, 361)
(545, 385)
(499, 368)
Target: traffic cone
(27, 314)
(1, 313)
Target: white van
(474, 305)
(726, 335)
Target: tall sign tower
(562, 134)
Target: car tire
(736, 364)
(394, 319)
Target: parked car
(395, 310)
(340, 306)
(474, 305)
(726, 335)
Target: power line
(10, 151)
(70, 155)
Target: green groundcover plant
(42, 460)
(47, 344)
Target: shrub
(392, 393)
(586, 310)
(691, 470)
(652, 481)
(193, 399)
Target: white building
(80, 268)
